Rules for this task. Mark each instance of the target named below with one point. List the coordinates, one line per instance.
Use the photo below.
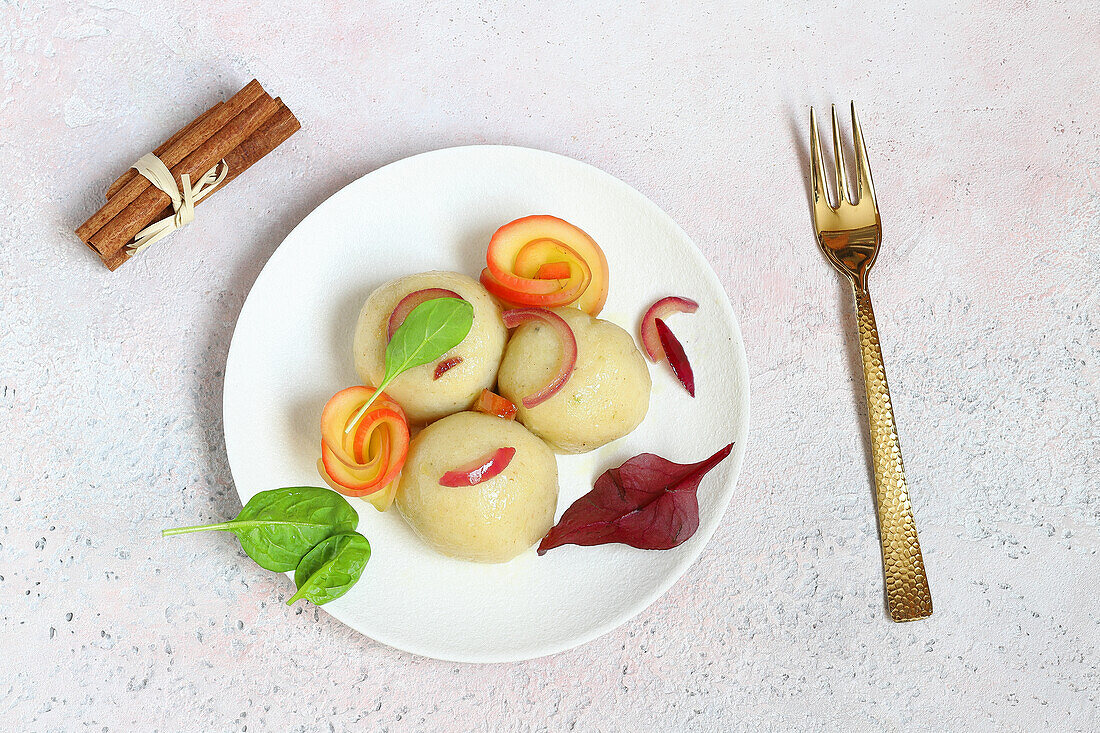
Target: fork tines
(865, 186)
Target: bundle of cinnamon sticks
(240, 131)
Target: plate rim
(679, 569)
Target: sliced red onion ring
(482, 469)
(446, 365)
(410, 301)
(677, 359)
(662, 309)
(515, 317)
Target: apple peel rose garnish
(490, 403)
(648, 502)
(481, 469)
(367, 461)
(546, 262)
(519, 316)
(543, 292)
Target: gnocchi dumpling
(605, 398)
(491, 521)
(430, 391)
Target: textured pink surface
(981, 121)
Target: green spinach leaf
(331, 568)
(431, 330)
(277, 528)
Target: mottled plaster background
(981, 119)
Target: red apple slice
(490, 403)
(482, 469)
(662, 309)
(518, 316)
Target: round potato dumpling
(605, 398)
(492, 521)
(420, 394)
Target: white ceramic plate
(291, 351)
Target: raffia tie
(183, 198)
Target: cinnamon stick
(173, 155)
(273, 132)
(129, 174)
(140, 212)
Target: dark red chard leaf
(677, 359)
(647, 502)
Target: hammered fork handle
(907, 593)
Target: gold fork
(849, 234)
